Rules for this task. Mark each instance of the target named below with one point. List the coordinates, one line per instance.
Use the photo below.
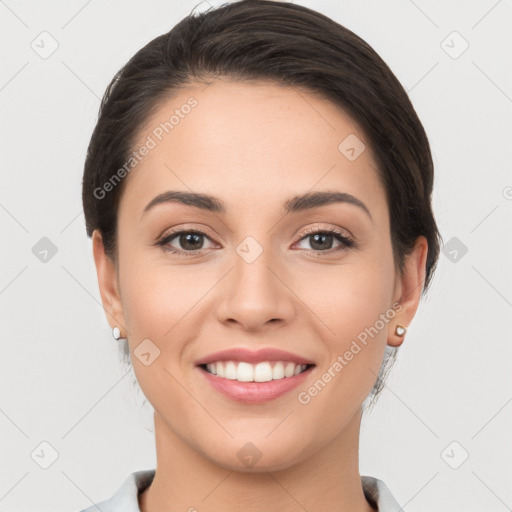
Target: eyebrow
(295, 204)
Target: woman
(258, 193)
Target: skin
(255, 145)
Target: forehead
(252, 144)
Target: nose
(255, 294)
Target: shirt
(126, 497)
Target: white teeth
(245, 372)
(230, 370)
(260, 372)
(288, 370)
(278, 371)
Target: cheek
(163, 303)
(158, 304)
(157, 296)
(359, 317)
(347, 298)
(354, 304)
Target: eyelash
(347, 243)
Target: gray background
(61, 378)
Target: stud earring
(400, 330)
(116, 332)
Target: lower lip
(255, 392)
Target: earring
(400, 330)
(116, 332)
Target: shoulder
(125, 499)
(378, 495)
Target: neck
(186, 480)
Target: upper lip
(253, 356)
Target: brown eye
(321, 240)
(188, 242)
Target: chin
(256, 457)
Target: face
(191, 281)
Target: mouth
(252, 384)
(264, 371)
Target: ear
(408, 288)
(108, 284)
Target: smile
(254, 383)
(264, 371)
